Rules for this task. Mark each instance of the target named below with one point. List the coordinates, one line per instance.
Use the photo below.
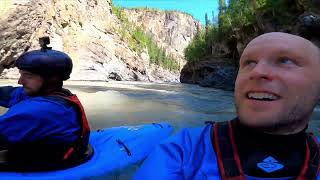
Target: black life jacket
(229, 160)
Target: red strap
(235, 152)
(84, 121)
(84, 125)
(311, 161)
(222, 168)
(218, 152)
(68, 153)
(302, 175)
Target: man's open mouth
(262, 96)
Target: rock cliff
(86, 30)
(172, 30)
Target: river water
(109, 104)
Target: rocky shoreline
(211, 72)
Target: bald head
(289, 41)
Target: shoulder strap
(85, 129)
(67, 97)
(228, 158)
(311, 167)
(81, 143)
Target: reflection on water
(110, 104)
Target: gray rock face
(84, 29)
(173, 31)
(210, 73)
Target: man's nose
(262, 70)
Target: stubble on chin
(283, 124)
(293, 122)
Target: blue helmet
(46, 63)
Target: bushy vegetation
(138, 41)
(237, 17)
(146, 8)
(200, 46)
(238, 13)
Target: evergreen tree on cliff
(222, 8)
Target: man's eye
(286, 61)
(250, 63)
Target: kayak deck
(114, 150)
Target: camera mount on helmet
(45, 61)
(44, 41)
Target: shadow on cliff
(210, 72)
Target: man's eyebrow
(246, 53)
(289, 52)
(286, 52)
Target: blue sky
(197, 8)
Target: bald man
(277, 88)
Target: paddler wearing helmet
(45, 126)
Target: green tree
(241, 17)
(222, 8)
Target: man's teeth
(262, 96)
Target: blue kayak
(114, 150)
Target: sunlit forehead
(278, 44)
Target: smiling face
(278, 83)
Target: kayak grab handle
(157, 124)
(124, 146)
